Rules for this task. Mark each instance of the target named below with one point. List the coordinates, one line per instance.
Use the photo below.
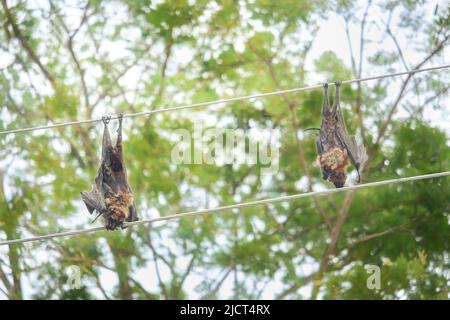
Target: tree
(67, 62)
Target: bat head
(338, 178)
(334, 164)
(118, 210)
(113, 218)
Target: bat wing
(319, 146)
(94, 200)
(111, 189)
(114, 175)
(133, 214)
(356, 152)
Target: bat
(111, 195)
(335, 147)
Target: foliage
(65, 62)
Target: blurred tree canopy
(69, 60)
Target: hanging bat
(334, 145)
(111, 196)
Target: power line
(234, 206)
(226, 100)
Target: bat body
(111, 196)
(336, 148)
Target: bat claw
(120, 118)
(337, 83)
(98, 215)
(106, 119)
(310, 129)
(325, 85)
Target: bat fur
(335, 147)
(111, 195)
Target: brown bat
(335, 146)
(111, 196)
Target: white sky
(331, 36)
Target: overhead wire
(233, 206)
(214, 102)
(237, 205)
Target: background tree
(65, 60)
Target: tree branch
(294, 126)
(383, 128)
(350, 195)
(19, 36)
(184, 276)
(219, 283)
(375, 235)
(71, 37)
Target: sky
(330, 37)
